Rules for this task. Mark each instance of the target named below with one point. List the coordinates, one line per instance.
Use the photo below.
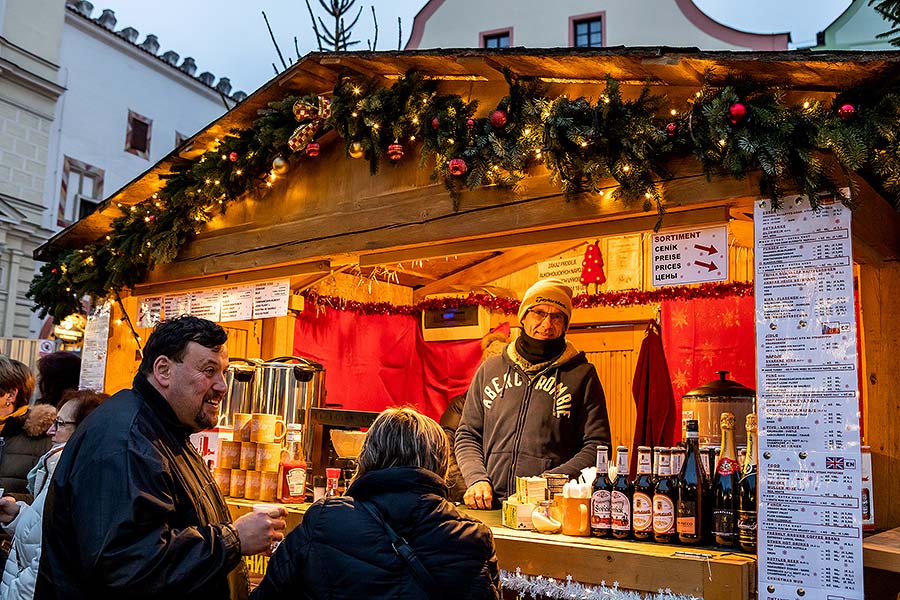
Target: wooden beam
(494, 268)
(226, 278)
(875, 227)
(686, 218)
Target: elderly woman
(343, 548)
(23, 428)
(24, 521)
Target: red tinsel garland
(510, 306)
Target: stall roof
(676, 72)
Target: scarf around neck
(16, 413)
(539, 351)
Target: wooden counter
(647, 567)
(882, 551)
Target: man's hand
(9, 510)
(479, 495)
(260, 531)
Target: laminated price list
(810, 529)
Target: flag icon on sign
(835, 463)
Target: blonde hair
(404, 437)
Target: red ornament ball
(736, 113)
(457, 166)
(498, 118)
(470, 123)
(671, 129)
(846, 112)
(53, 271)
(435, 123)
(312, 149)
(395, 151)
(233, 156)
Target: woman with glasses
(24, 521)
(22, 427)
(537, 407)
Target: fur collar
(39, 419)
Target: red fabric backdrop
(375, 361)
(702, 336)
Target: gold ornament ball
(357, 150)
(279, 165)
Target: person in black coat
(341, 550)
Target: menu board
(695, 255)
(175, 306)
(810, 520)
(95, 349)
(270, 299)
(149, 311)
(207, 305)
(237, 303)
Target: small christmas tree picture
(592, 267)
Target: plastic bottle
(293, 467)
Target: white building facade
(96, 105)
(857, 28)
(568, 23)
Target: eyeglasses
(59, 423)
(555, 318)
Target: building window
(137, 138)
(81, 191)
(588, 30)
(499, 38)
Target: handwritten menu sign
(95, 349)
(810, 520)
(237, 303)
(207, 305)
(270, 299)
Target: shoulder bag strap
(403, 550)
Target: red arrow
(709, 249)
(710, 265)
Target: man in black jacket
(133, 511)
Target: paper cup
(248, 456)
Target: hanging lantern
(457, 167)
(357, 150)
(395, 151)
(312, 149)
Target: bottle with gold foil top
(726, 486)
(747, 505)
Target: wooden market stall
(330, 226)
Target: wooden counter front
(646, 567)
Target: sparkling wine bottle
(725, 490)
(747, 504)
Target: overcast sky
(229, 37)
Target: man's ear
(162, 370)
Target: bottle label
(296, 482)
(663, 514)
(727, 467)
(747, 527)
(620, 511)
(600, 510)
(643, 512)
(724, 523)
(293, 436)
(687, 517)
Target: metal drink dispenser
(291, 386)
(242, 378)
(707, 402)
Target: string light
(673, 112)
(357, 90)
(806, 104)
(239, 172)
(626, 168)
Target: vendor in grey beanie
(537, 407)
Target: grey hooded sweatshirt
(515, 424)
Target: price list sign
(810, 521)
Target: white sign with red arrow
(696, 255)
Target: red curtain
(702, 336)
(375, 361)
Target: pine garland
(582, 143)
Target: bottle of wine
(665, 494)
(747, 504)
(642, 501)
(601, 496)
(691, 485)
(620, 499)
(726, 484)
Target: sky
(229, 37)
